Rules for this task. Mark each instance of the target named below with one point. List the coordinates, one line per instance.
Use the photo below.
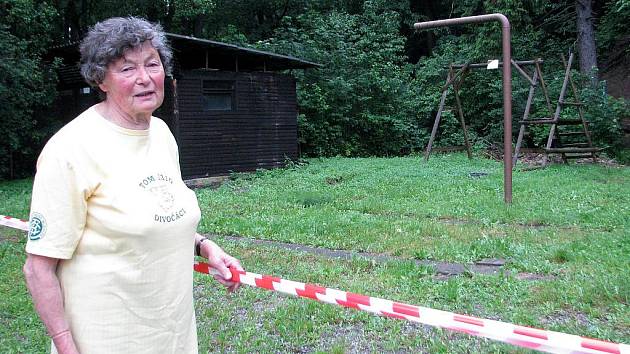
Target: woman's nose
(143, 75)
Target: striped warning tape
(13, 222)
(527, 337)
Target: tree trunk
(586, 38)
(11, 168)
(198, 23)
(170, 13)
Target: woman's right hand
(41, 280)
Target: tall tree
(586, 37)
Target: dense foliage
(378, 90)
(26, 87)
(357, 103)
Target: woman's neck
(112, 113)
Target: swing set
(570, 144)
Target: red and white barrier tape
(527, 337)
(13, 222)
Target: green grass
(568, 227)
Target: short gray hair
(108, 41)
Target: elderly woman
(113, 226)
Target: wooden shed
(228, 107)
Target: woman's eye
(154, 67)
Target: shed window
(218, 95)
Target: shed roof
(227, 56)
(197, 53)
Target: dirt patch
(352, 338)
(526, 225)
(211, 182)
(355, 339)
(453, 221)
(534, 276)
(268, 304)
(566, 317)
(334, 180)
(572, 317)
(533, 160)
(11, 235)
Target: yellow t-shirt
(110, 202)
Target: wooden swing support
(455, 78)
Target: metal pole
(507, 87)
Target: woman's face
(134, 84)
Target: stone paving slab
(485, 266)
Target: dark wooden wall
(259, 132)
(166, 110)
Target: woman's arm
(43, 284)
(219, 260)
